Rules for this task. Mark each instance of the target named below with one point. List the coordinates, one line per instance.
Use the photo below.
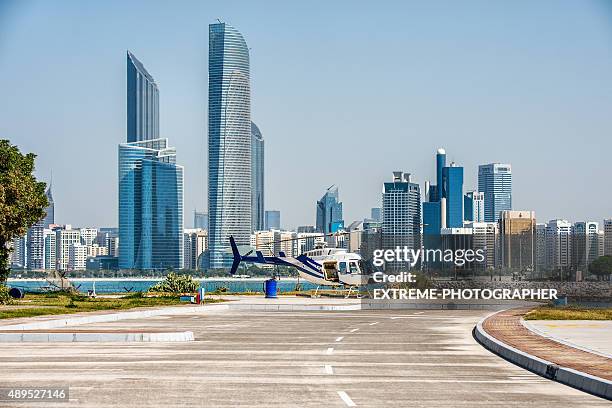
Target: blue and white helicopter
(321, 266)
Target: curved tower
(229, 142)
(142, 102)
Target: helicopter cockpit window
(342, 267)
(353, 267)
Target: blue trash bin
(270, 289)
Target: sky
(344, 92)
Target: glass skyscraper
(495, 181)
(142, 102)
(50, 210)
(150, 206)
(272, 220)
(229, 142)
(452, 192)
(329, 212)
(257, 177)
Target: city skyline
(537, 184)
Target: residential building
(401, 210)
(540, 263)
(329, 212)
(50, 248)
(229, 142)
(559, 245)
(19, 252)
(495, 181)
(306, 229)
(195, 242)
(587, 245)
(257, 179)
(608, 237)
(77, 257)
(64, 238)
(142, 102)
(88, 235)
(36, 246)
(485, 236)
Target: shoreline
(141, 279)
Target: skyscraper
(272, 220)
(473, 206)
(452, 195)
(257, 177)
(150, 206)
(518, 240)
(376, 214)
(50, 210)
(608, 237)
(142, 102)
(329, 212)
(401, 211)
(229, 142)
(36, 246)
(587, 245)
(495, 181)
(200, 220)
(558, 245)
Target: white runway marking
(328, 369)
(417, 313)
(372, 324)
(347, 400)
(330, 350)
(340, 338)
(354, 330)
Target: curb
(582, 381)
(41, 337)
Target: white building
(77, 256)
(64, 238)
(306, 241)
(558, 245)
(96, 250)
(88, 235)
(50, 248)
(473, 204)
(486, 237)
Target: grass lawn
(56, 303)
(569, 313)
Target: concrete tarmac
(246, 358)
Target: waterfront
(118, 285)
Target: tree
(602, 266)
(22, 199)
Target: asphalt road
(288, 359)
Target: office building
(473, 206)
(452, 195)
(329, 212)
(150, 206)
(272, 220)
(229, 142)
(200, 220)
(306, 229)
(495, 181)
(517, 240)
(401, 210)
(142, 102)
(257, 178)
(540, 256)
(19, 252)
(485, 236)
(376, 214)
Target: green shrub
(176, 284)
(5, 299)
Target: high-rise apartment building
(540, 256)
(608, 237)
(150, 206)
(495, 181)
(587, 245)
(257, 177)
(558, 245)
(50, 210)
(36, 246)
(88, 235)
(229, 142)
(401, 210)
(142, 102)
(64, 238)
(50, 248)
(329, 212)
(77, 257)
(195, 242)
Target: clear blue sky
(343, 92)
